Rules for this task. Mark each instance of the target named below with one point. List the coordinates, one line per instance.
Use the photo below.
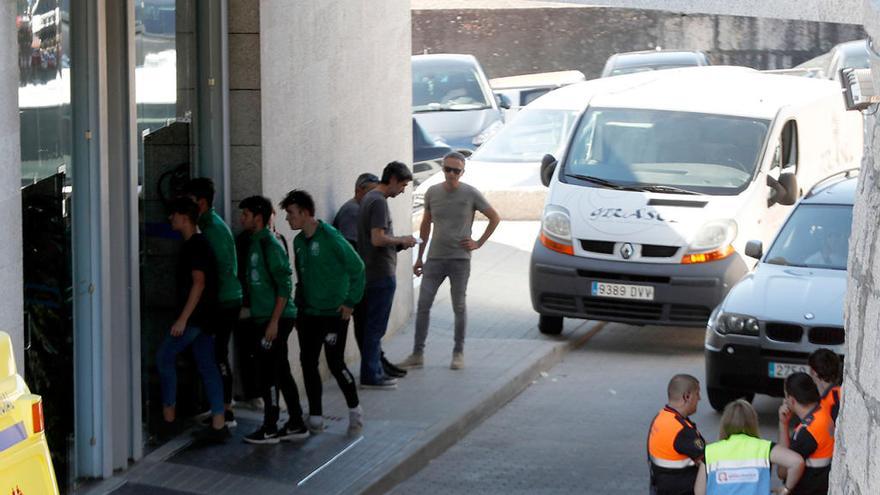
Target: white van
(666, 176)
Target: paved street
(582, 427)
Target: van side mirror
(785, 190)
(503, 101)
(548, 166)
(755, 249)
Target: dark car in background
(630, 62)
(428, 154)
(452, 100)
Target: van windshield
(704, 153)
(528, 137)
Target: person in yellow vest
(739, 462)
(826, 370)
(813, 438)
(675, 446)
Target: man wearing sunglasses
(450, 207)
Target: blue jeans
(203, 351)
(379, 295)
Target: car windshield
(705, 153)
(815, 236)
(528, 137)
(448, 88)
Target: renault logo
(627, 250)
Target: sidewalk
(404, 428)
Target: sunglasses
(453, 170)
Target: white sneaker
(457, 361)
(412, 361)
(355, 420)
(315, 424)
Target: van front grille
(653, 251)
(600, 308)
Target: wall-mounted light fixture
(859, 92)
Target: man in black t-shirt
(196, 281)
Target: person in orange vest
(813, 437)
(826, 371)
(675, 446)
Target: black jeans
(224, 326)
(329, 333)
(274, 374)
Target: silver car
(790, 305)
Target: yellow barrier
(25, 463)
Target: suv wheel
(720, 397)
(550, 325)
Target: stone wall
(856, 467)
(520, 41)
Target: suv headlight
(732, 323)
(556, 230)
(487, 133)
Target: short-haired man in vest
(675, 446)
(826, 370)
(813, 437)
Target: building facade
(113, 105)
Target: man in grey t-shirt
(378, 247)
(450, 206)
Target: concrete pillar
(11, 298)
(336, 102)
(856, 467)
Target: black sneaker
(228, 415)
(212, 435)
(265, 435)
(293, 432)
(392, 370)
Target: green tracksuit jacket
(329, 272)
(220, 238)
(268, 277)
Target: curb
(444, 435)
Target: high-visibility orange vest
(661, 440)
(830, 402)
(821, 427)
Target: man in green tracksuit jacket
(330, 282)
(229, 294)
(274, 315)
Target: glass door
(44, 65)
(166, 99)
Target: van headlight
(713, 235)
(556, 230)
(732, 323)
(714, 241)
(487, 133)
